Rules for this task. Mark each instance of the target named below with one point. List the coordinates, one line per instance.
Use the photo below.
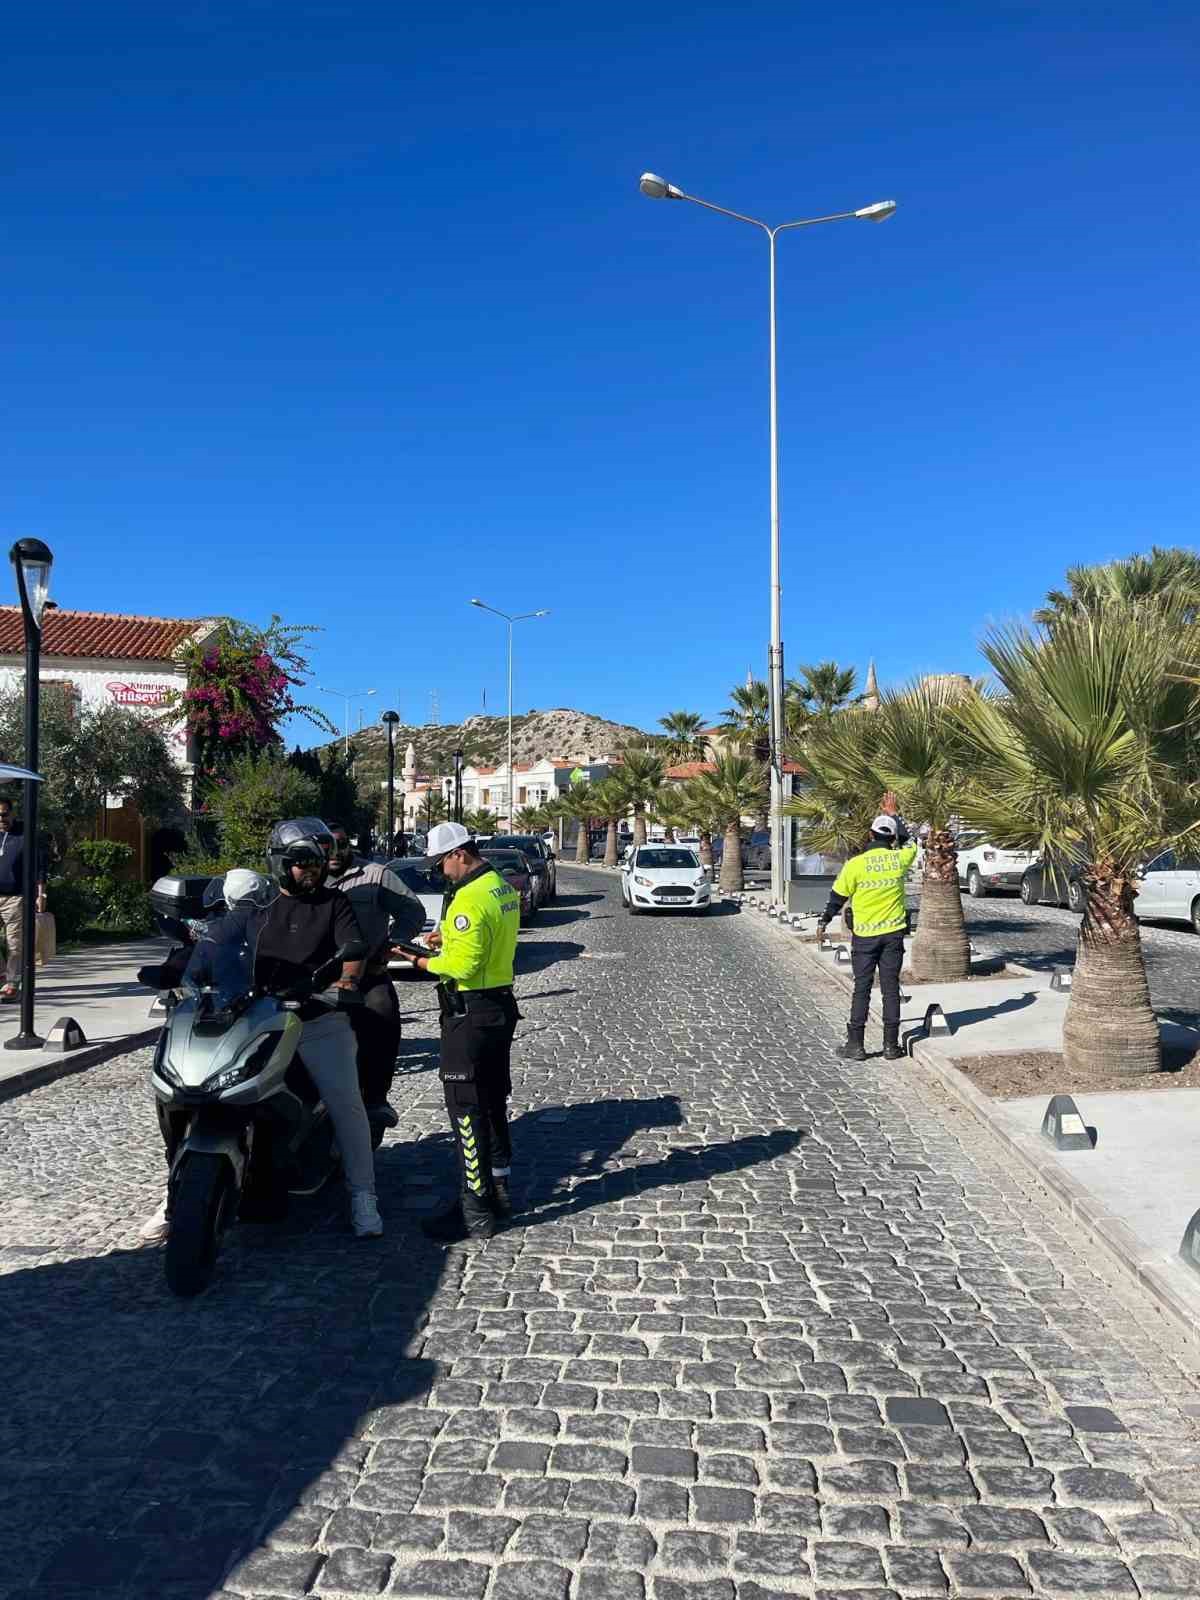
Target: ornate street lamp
(31, 561)
(389, 720)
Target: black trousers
(376, 1025)
(885, 952)
(477, 1078)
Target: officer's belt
(503, 992)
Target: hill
(562, 733)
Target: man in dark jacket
(12, 906)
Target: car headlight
(645, 883)
(244, 1070)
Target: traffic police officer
(873, 881)
(476, 943)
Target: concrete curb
(1119, 1243)
(74, 1061)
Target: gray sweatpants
(329, 1053)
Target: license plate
(677, 894)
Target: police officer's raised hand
(889, 805)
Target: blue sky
(354, 310)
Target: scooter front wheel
(199, 1209)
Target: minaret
(870, 697)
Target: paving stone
(1075, 1575)
(469, 1530)
(453, 1580)
(1071, 1525)
(1167, 1575)
(986, 1573)
(689, 1548)
(620, 1545)
(518, 1455)
(560, 1537)
(693, 1589)
(1095, 1419)
(905, 1411)
(998, 1525)
(270, 1572)
(860, 1478)
(398, 1531)
(1098, 1486)
(649, 1461)
(915, 1572)
(530, 1580)
(722, 1505)
(354, 1571)
(596, 1584)
(836, 1562)
(856, 1522)
(776, 1553)
(938, 1483)
(596, 1497)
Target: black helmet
(300, 842)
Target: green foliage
(1165, 577)
(96, 895)
(819, 691)
(481, 821)
(90, 758)
(686, 742)
(243, 806)
(737, 787)
(339, 794)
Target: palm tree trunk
(1110, 1025)
(639, 826)
(706, 856)
(610, 844)
(940, 948)
(731, 859)
(583, 839)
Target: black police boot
(501, 1199)
(891, 1042)
(447, 1227)
(853, 1049)
(478, 1216)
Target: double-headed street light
(656, 188)
(358, 694)
(32, 561)
(523, 616)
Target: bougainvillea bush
(241, 684)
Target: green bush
(95, 896)
(71, 903)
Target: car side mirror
(1140, 873)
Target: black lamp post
(389, 720)
(32, 561)
(458, 805)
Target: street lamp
(31, 561)
(389, 720)
(656, 188)
(523, 616)
(358, 694)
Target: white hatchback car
(429, 890)
(984, 867)
(664, 877)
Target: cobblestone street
(766, 1325)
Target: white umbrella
(7, 771)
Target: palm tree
(684, 731)
(611, 800)
(481, 821)
(1090, 753)
(909, 747)
(641, 776)
(822, 689)
(747, 719)
(670, 809)
(579, 805)
(736, 788)
(1171, 574)
(534, 819)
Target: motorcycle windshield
(222, 964)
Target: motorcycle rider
(302, 929)
(478, 940)
(386, 909)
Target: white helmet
(245, 888)
(445, 837)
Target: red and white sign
(138, 694)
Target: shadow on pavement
(546, 953)
(561, 899)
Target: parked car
(1055, 882)
(513, 866)
(430, 890)
(984, 867)
(1170, 889)
(665, 877)
(756, 851)
(541, 863)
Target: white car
(413, 871)
(984, 867)
(1169, 887)
(664, 877)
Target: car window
(512, 859)
(418, 879)
(667, 857)
(1163, 863)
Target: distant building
(487, 788)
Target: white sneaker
(156, 1227)
(364, 1216)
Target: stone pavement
(97, 987)
(767, 1326)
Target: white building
(487, 788)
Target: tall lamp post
(32, 561)
(389, 720)
(656, 188)
(340, 694)
(523, 616)
(458, 792)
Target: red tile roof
(691, 769)
(99, 634)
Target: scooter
(243, 1123)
